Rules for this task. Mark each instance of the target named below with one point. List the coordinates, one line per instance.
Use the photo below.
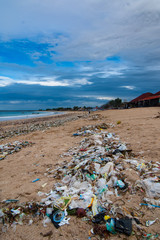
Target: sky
(65, 53)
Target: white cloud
(153, 68)
(45, 81)
(36, 55)
(96, 97)
(108, 70)
(15, 102)
(5, 81)
(110, 73)
(105, 28)
(81, 81)
(129, 87)
(86, 32)
(85, 68)
(105, 98)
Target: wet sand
(138, 127)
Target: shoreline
(30, 116)
(18, 127)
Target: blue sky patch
(25, 52)
(65, 64)
(116, 59)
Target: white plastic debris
(152, 188)
(152, 201)
(15, 212)
(64, 221)
(46, 220)
(149, 222)
(107, 168)
(30, 222)
(1, 213)
(49, 211)
(122, 147)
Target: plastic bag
(94, 206)
(152, 201)
(101, 184)
(152, 188)
(66, 179)
(112, 182)
(107, 168)
(97, 167)
(122, 147)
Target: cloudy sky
(68, 52)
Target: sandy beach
(52, 137)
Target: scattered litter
(110, 225)
(36, 124)
(152, 201)
(124, 225)
(92, 186)
(10, 148)
(151, 187)
(149, 223)
(149, 205)
(35, 180)
(11, 200)
(30, 222)
(150, 236)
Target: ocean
(24, 114)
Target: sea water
(24, 114)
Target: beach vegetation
(116, 103)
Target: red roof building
(158, 93)
(141, 97)
(146, 100)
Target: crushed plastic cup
(110, 225)
(149, 222)
(120, 184)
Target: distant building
(146, 100)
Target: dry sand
(139, 127)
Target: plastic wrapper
(97, 167)
(122, 147)
(94, 206)
(108, 168)
(112, 182)
(46, 220)
(152, 201)
(152, 188)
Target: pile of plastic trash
(88, 185)
(10, 148)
